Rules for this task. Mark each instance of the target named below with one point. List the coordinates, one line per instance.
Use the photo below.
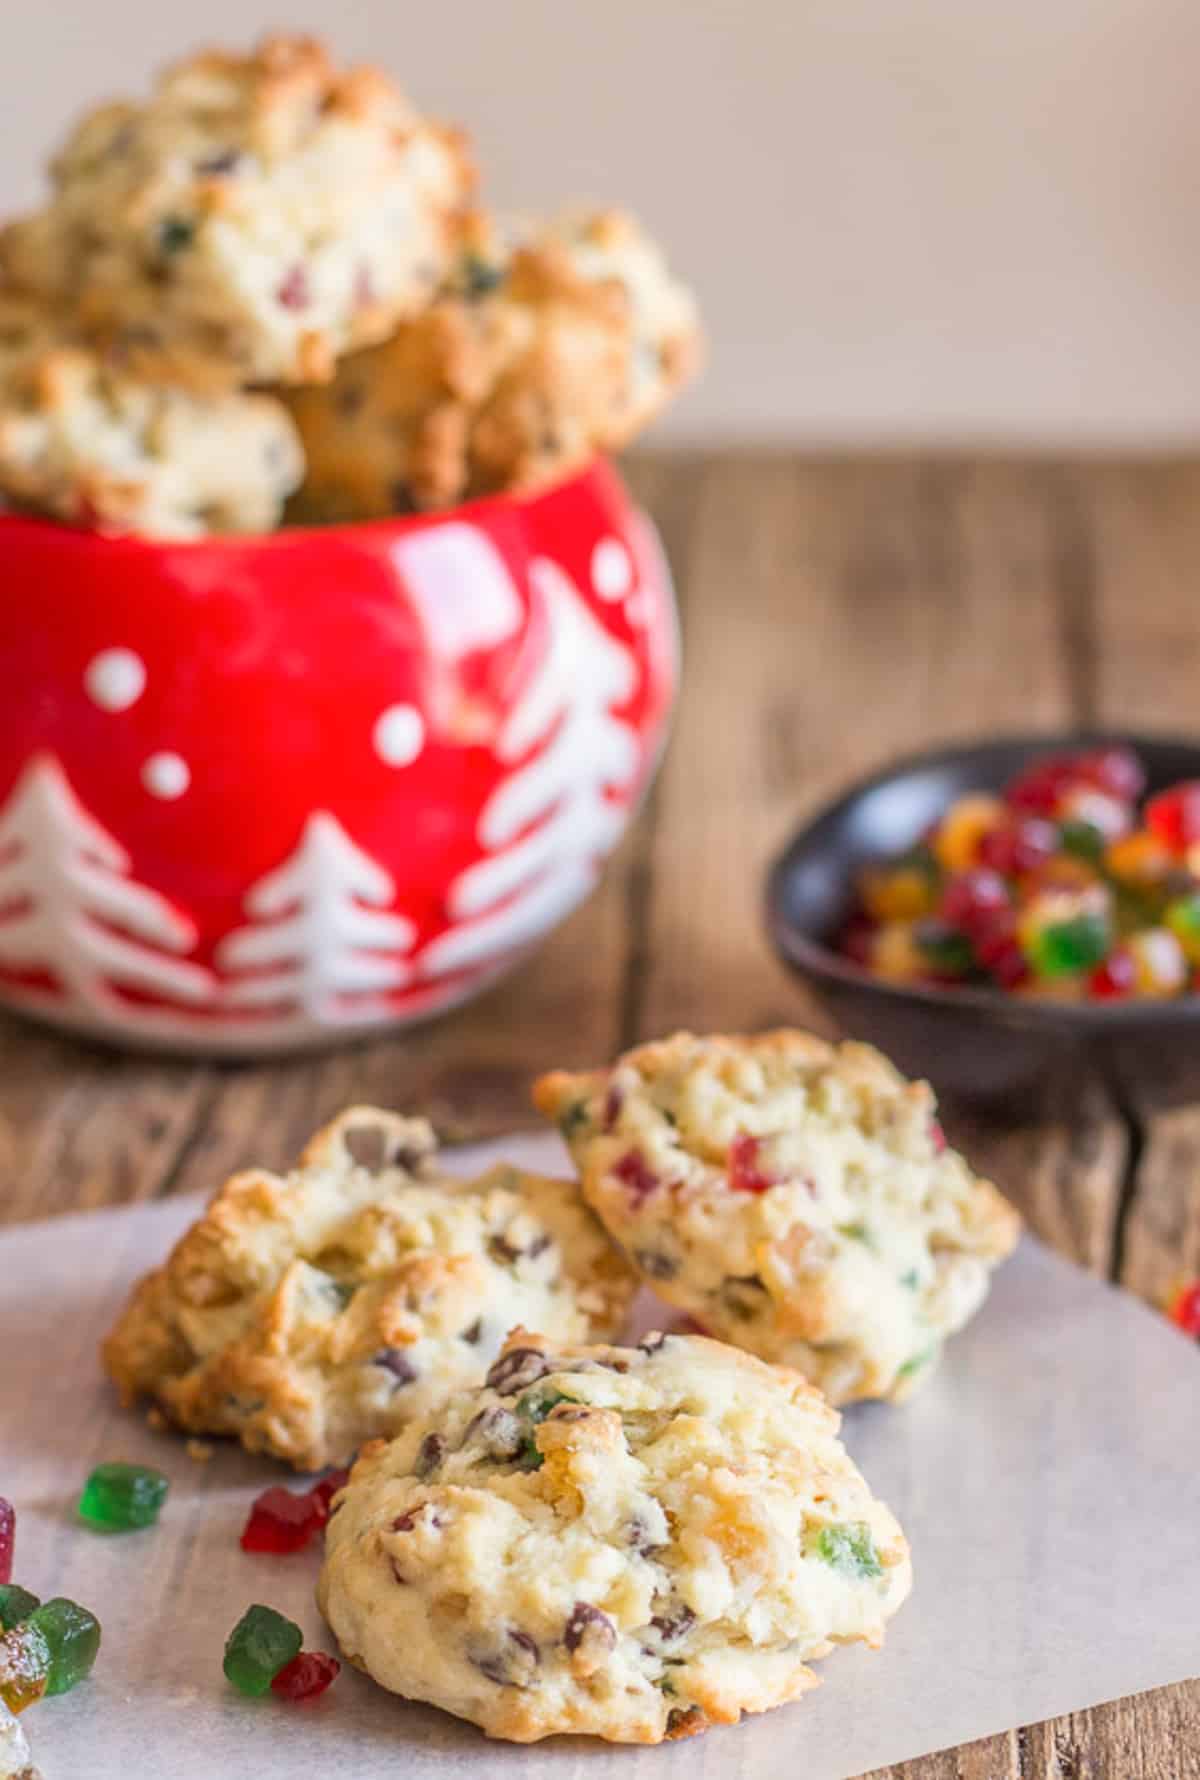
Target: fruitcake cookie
(534, 357)
(629, 1543)
(84, 441)
(308, 1314)
(796, 1197)
(254, 218)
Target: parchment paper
(1048, 1478)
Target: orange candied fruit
(956, 843)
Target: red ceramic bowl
(258, 791)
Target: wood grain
(838, 613)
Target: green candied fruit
(24, 1666)
(1083, 839)
(260, 1644)
(944, 947)
(73, 1637)
(117, 1498)
(917, 1362)
(574, 1118)
(534, 1407)
(16, 1604)
(846, 1546)
(857, 1232)
(1065, 948)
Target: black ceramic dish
(976, 1043)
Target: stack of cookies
(545, 1532)
(265, 292)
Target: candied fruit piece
(1065, 947)
(1020, 847)
(999, 952)
(745, 1175)
(326, 1488)
(1115, 769)
(1115, 978)
(894, 955)
(24, 1665)
(632, 1171)
(281, 1522)
(1041, 787)
(1085, 807)
(120, 1498)
(1174, 816)
(972, 899)
(847, 1546)
(261, 1644)
(16, 1604)
(944, 949)
(1139, 858)
(858, 940)
(1158, 961)
(1183, 918)
(900, 892)
(960, 832)
(8, 1538)
(1185, 1308)
(1083, 840)
(73, 1637)
(306, 1676)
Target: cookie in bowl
(83, 440)
(310, 1313)
(797, 1198)
(628, 1543)
(252, 219)
(546, 346)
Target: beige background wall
(929, 219)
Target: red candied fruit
(1116, 770)
(1116, 977)
(1174, 816)
(281, 1522)
(745, 1176)
(1185, 1308)
(8, 1536)
(971, 899)
(1023, 848)
(999, 953)
(633, 1172)
(326, 1489)
(306, 1676)
(1039, 788)
(937, 1136)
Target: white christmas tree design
(69, 909)
(321, 944)
(552, 820)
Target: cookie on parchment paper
(630, 1543)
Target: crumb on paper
(200, 1450)
(157, 1420)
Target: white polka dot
(612, 571)
(115, 679)
(399, 735)
(166, 775)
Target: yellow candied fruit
(894, 953)
(1065, 872)
(956, 843)
(902, 894)
(1139, 858)
(1158, 960)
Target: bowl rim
(818, 962)
(390, 524)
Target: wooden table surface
(837, 612)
